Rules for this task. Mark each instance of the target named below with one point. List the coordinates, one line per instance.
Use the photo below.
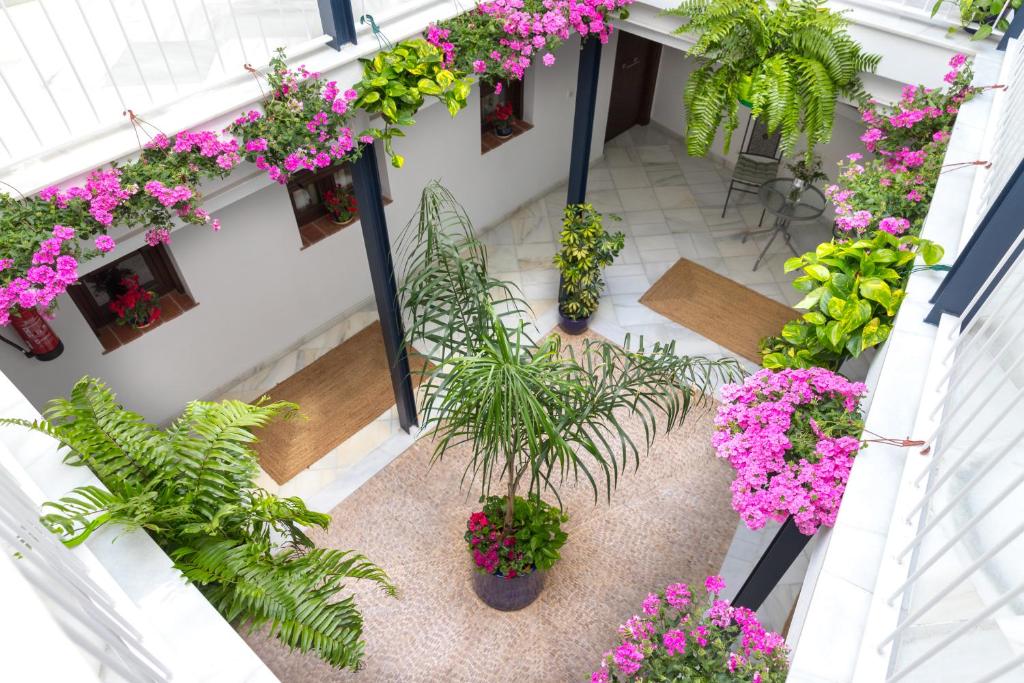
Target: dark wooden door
(636, 72)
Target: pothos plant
(852, 292)
(988, 15)
(530, 414)
(395, 82)
(191, 487)
(586, 249)
(791, 60)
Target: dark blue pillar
(338, 22)
(769, 570)
(1016, 26)
(366, 183)
(583, 119)
(994, 237)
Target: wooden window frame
(166, 280)
(515, 92)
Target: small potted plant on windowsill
(502, 119)
(341, 205)
(586, 249)
(133, 305)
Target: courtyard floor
(671, 206)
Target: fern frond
(192, 488)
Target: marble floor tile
(629, 177)
(640, 199)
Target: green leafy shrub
(531, 543)
(791, 60)
(395, 81)
(191, 487)
(852, 293)
(586, 249)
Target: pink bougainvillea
(519, 31)
(791, 436)
(673, 639)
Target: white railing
(960, 599)
(71, 67)
(83, 610)
(1009, 153)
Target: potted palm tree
(587, 248)
(788, 60)
(533, 414)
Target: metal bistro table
(782, 198)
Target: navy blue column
(769, 570)
(366, 182)
(338, 22)
(1016, 26)
(994, 237)
(583, 119)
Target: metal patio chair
(757, 163)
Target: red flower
(477, 521)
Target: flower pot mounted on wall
(42, 341)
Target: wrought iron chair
(757, 163)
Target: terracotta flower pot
(507, 594)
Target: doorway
(636, 73)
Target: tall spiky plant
(534, 414)
(791, 60)
(191, 487)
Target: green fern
(191, 487)
(796, 53)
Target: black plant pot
(989, 20)
(572, 325)
(508, 595)
(503, 129)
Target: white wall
(259, 294)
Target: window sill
(489, 141)
(323, 227)
(114, 336)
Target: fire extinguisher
(42, 342)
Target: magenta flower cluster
(674, 636)
(49, 277)
(531, 28)
(892, 192)
(756, 427)
(322, 107)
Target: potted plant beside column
(526, 414)
(586, 249)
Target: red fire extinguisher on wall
(42, 342)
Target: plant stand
(508, 595)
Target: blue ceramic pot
(571, 325)
(507, 594)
